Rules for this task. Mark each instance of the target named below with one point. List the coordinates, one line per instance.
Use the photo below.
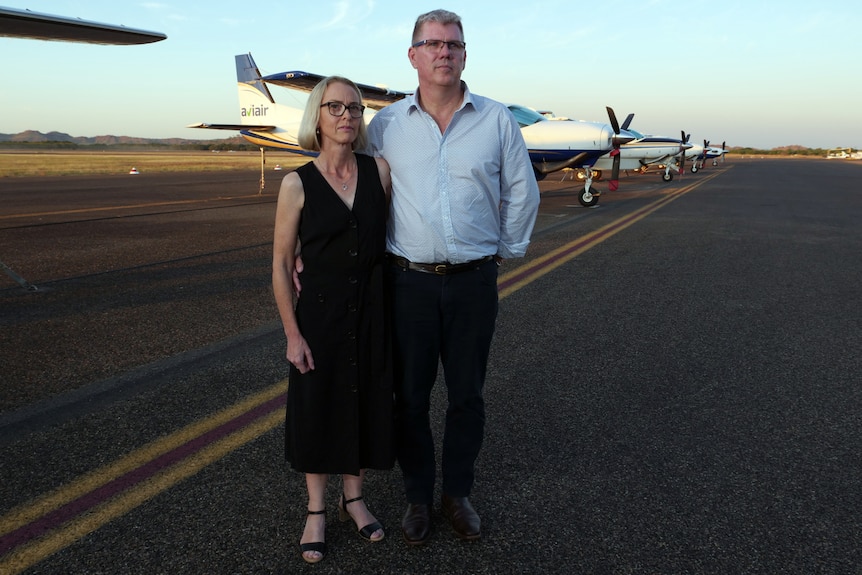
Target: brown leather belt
(438, 269)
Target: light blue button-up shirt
(461, 195)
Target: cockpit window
(526, 116)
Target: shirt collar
(413, 99)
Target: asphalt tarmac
(674, 384)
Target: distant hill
(32, 136)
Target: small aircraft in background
(700, 154)
(573, 144)
(27, 24)
(553, 145)
(714, 153)
(646, 151)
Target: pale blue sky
(760, 74)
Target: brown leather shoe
(464, 519)
(416, 525)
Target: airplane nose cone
(615, 140)
(622, 138)
(625, 137)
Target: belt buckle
(440, 269)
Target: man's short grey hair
(443, 17)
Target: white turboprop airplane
(713, 153)
(559, 144)
(27, 24)
(553, 145)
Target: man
(464, 198)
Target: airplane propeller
(617, 141)
(682, 142)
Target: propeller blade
(613, 117)
(614, 184)
(682, 153)
(683, 140)
(618, 141)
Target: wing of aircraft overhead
(27, 24)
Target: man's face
(441, 66)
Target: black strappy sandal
(319, 546)
(365, 532)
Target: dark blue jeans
(449, 319)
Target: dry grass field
(67, 163)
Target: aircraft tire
(693, 169)
(587, 199)
(667, 177)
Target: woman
(332, 212)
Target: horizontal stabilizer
(232, 127)
(374, 97)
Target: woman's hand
(299, 354)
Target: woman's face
(342, 129)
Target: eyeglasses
(337, 109)
(437, 45)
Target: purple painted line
(74, 508)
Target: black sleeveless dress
(339, 416)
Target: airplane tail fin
(255, 99)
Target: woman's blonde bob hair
(309, 138)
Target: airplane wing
(374, 97)
(27, 24)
